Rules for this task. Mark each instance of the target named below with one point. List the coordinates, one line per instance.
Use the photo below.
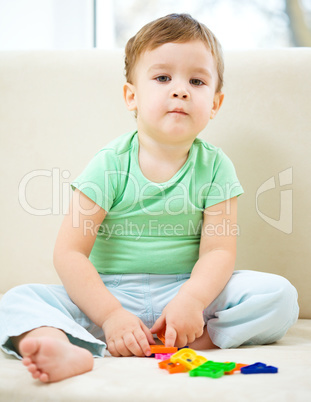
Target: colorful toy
(207, 371)
(212, 369)
(258, 368)
(237, 368)
(161, 335)
(172, 368)
(163, 356)
(162, 349)
(188, 358)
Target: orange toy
(172, 368)
(162, 349)
(238, 367)
(161, 335)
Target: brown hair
(178, 28)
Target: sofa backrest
(57, 109)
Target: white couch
(58, 108)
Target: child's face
(173, 91)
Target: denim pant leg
(254, 308)
(27, 307)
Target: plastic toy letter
(161, 335)
(188, 358)
(212, 369)
(162, 349)
(259, 368)
(172, 368)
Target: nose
(181, 93)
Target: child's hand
(183, 317)
(126, 334)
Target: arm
(125, 333)
(217, 253)
(183, 315)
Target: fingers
(180, 339)
(170, 336)
(200, 333)
(160, 323)
(138, 343)
(126, 347)
(190, 339)
(130, 344)
(148, 334)
(144, 339)
(112, 349)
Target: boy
(147, 265)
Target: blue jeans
(253, 308)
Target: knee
(284, 308)
(286, 297)
(273, 294)
(267, 307)
(18, 293)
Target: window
(85, 24)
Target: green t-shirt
(152, 227)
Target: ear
(217, 102)
(129, 94)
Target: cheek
(148, 111)
(205, 106)
(152, 106)
(203, 112)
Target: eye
(163, 78)
(196, 82)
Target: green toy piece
(212, 369)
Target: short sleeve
(99, 180)
(225, 183)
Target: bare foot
(51, 360)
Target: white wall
(46, 24)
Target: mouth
(178, 112)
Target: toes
(32, 368)
(34, 371)
(36, 374)
(44, 377)
(29, 346)
(27, 361)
